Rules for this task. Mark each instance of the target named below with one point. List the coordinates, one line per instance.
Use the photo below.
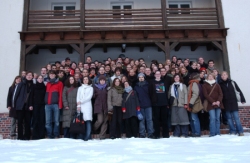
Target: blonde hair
(211, 74)
(224, 72)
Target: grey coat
(131, 105)
(69, 100)
(114, 99)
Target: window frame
(179, 3)
(64, 5)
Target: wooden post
(22, 57)
(167, 50)
(26, 9)
(164, 14)
(226, 66)
(82, 52)
(82, 19)
(219, 13)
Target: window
(63, 6)
(180, 5)
(118, 15)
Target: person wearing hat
(146, 107)
(195, 98)
(100, 106)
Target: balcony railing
(122, 19)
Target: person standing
(179, 100)
(213, 94)
(158, 90)
(23, 103)
(100, 106)
(69, 103)
(230, 102)
(84, 104)
(146, 107)
(53, 104)
(39, 112)
(10, 104)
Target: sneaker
(112, 137)
(142, 136)
(241, 134)
(151, 137)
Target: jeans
(13, 126)
(232, 128)
(181, 130)
(52, 114)
(87, 135)
(147, 115)
(195, 124)
(214, 124)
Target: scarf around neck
(211, 82)
(141, 84)
(119, 89)
(173, 88)
(128, 89)
(100, 86)
(191, 82)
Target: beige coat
(183, 96)
(114, 99)
(195, 99)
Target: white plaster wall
(11, 18)
(236, 15)
(47, 4)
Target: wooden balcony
(144, 19)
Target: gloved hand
(191, 106)
(139, 115)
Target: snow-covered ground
(217, 149)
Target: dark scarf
(53, 81)
(119, 89)
(40, 86)
(29, 83)
(100, 86)
(141, 84)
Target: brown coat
(100, 96)
(216, 95)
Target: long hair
(14, 82)
(67, 83)
(113, 84)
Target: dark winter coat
(216, 95)
(39, 93)
(108, 80)
(131, 105)
(229, 97)
(100, 104)
(191, 70)
(132, 80)
(149, 78)
(24, 95)
(185, 78)
(12, 112)
(143, 95)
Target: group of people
(125, 96)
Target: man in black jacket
(158, 91)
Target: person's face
(18, 80)
(43, 71)
(174, 59)
(118, 73)
(54, 68)
(131, 73)
(118, 65)
(201, 60)
(224, 76)
(141, 79)
(35, 75)
(177, 78)
(102, 82)
(135, 68)
(61, 68)
(101, 70)
(107, 68)
(173, 72)
(141, 61)
(86, 66)
(148, 71)
(85, 73)
(126, 61)
(181, 65)
(177, 70)
(80, 65)
(215, 72)
(73, 66)
(92, 65)
(163, 72)
(178, 62)
(129, 68)
(66, 69)
(183, 71)
(68, 62)
(85, 80)
(157, 75)
(124, 80)
(58, 64)
(88, 60)
(137, 63)
(126, 84)
(60, 75)
(109, 59)
(63, 63)
(40, 79)
(132, 63)
(77, 77)
(106, 62)
(23, 73)
(173, 66)
(96, 64)
(29, 76)
(119, 60)
(92, 72)
(142, 70)
(202, 74)
(167, 68)
(71, 80)
(168, 62)
(52, 76)
(48, 67)
(186, 63)
(211, 64)
(198, 66)
(210, 77)
(117, 82)
(155, 69)
(194, 66)
(77, 71)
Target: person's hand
(218, 103)
(191, 106)
(78, 108)
(9, 108)
(31, 107)
(67, 108)
(185, 106)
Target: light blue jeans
(214, 125)
(195, 124)
(147, 116)
(237, 128)
(52, 114)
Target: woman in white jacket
(84, 96)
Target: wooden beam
(178, 47)
(103, 35)
(81, 35)
(88, 47)
(22, 58)
(167, 50)
(194, 46)
(69, 49)
(26, 9)
(226, 65)
(82, 14)
(159, 49)
(160, 45)
(142, 47)
(218, 45)
(173, 45)
(52, 49)
(145, 34)
(166, 34)
(29, 49)
(164, 14)
(124, 34)
(220, 13)
(105, 48)
(224, 33)
(36, 50)
(41, 35)
(75, 47)
(82, 52)
(61, 35)
(22, 36)
(186, 32)
(205, 33)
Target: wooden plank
(88, 47)
(29, 49)
(69, 49)
(167, 50)
(22, 57)
(164, 14)
(216, 44)
(25, 15)
(52, 49)
(220, 13)
(76, 48)
(38, 21)
(82, 52)
(173, 45)
(226, 65)
(161, 46)
(194, 46)
(178, 47)
(31, 17)
(82, 15)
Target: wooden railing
(122, 19)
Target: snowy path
(211, 150)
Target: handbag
(237, 93)
(77, 126)
(205, 103)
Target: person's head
(73, 65)
(186, 63)
(35, 75)
(200, 60)
(126, 84)
(92, 71)
(163, 72)
(194, 65)
(58, 64)
(107, 62)
(23, 74)
(202, 74)
(183, 70)
(71, 82)
(155, 68)
(160, 65)
(96, 63)
(86, 80)
(132, 62)
(107, 68)
(119, 59)
(86, 66)
(48, 67)
(167, 67)
(85, 72)
(43, 71)
(60, 74)
(102, 80)
(174, 59)
(80, 65)
(118, 71)
(116, 82)
(147, 71)
(52, 74)
(29, 75)
(88, 60)
(53, 67)
(211, 63)
(135, 67)
(172, 71)
(101, 70)
(118, 64)
(142, 69)
(112, 63)
(126, 61)
(177, 70)
(61, 68)
(168, 62)
(67, 61)
(195, 76)
(224, 75)
(198, 66)
(128, 68)
(177, 78)
(92, 65)
(66, 69)
(77, 77)
(210, 76)
(216, 72)
(179, 61)
(131, 73)
(181, 65)
(137, 62)
(63, 63)
(39, 79)
(17, 80)
(124, 78)
(173, 65)
(109, 59)
(141, 77)
(157, 75)
(77, 71)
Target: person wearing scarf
(210, 67)
(195, 103)
(179, 116)
(100, 106)
(130, 109)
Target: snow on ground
(217, 149)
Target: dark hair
(52, 72)
(88, 57)
(113, 84)
(118, 69)
(90, 81)
(179, 59)
(66, 66)
(60, 71)
(53, 65)
(14, 82)
(210, 61)
(67, 82)
(30, 72)
(72, 64)
(181, 80)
